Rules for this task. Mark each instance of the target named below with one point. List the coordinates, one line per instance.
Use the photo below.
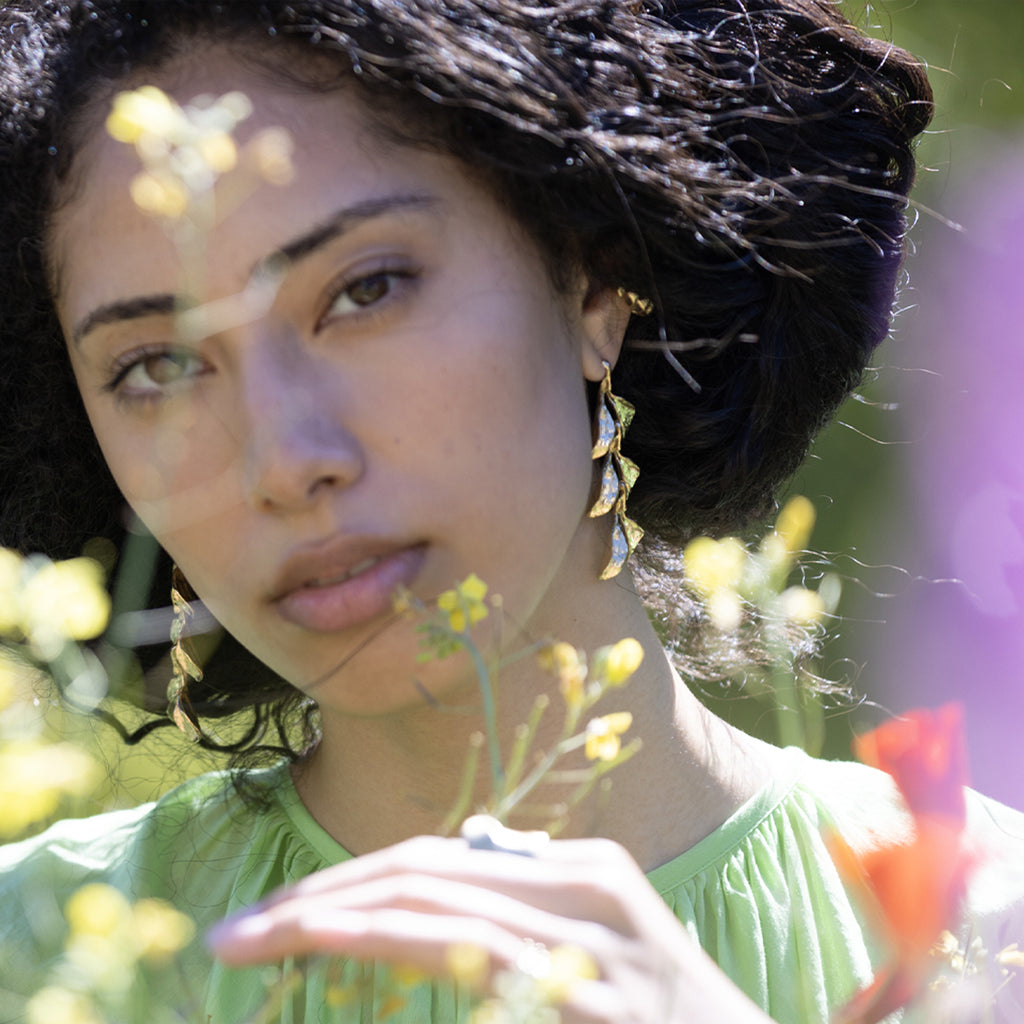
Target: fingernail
(235, 929)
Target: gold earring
(179, 707)
(638, 305)
(618, 473)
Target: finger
(447, 857)
(353, 920)
(593, 879)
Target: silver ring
(483, 832)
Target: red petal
(926, 754)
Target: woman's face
(409, 406)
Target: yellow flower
(389, 1005)
(67, 599)
(946, 945)
(271, 151)
(725, 609)
(468, 964)
(160, 929)
(409, 975)
(795, 523)
(603, 735)
(161, 194)
(616, 664)
(802, 606)
(144, 111)
(569, 665)
(567, 966)
(33, 778)
(465, 604)
(55, 1005)
(402, 601)
(218, 151)
(341, 995)
(714, 565)
(1011, 956)
(98, 910)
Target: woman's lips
(332, 601)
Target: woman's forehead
(333, 143)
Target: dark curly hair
(745, 163)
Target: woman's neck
(375, 781)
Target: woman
(486, 201)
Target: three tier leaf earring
(179, 707)
(618, 473)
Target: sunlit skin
(415, 391)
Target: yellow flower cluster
(729, 577)
(464, 605)
(48, 603)
(184, 150)
(35, 776)
(604, 735)
(532, 990)
(108, 939)
(580, 683)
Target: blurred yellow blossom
(569, 665)
(1011, 956)
(468, 964)
(34, 776)
(160, 194)
(66, 599)
(144, 111)
(183, 149)
(99, 910)
(725, 609)
(802, 606)
(464, 605)
(160, 929)
(341, 995)
(795, 523)
(617, 663)
(219, 152)
(408, 974)
(603, 735)
(567, 966)
(714, 565)
(271, 152)
(56, 1005)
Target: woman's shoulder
(192, 843)
(106, 845)
(864, 806)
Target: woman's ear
(604, 317)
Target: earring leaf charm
(179, 707)
(618, 473)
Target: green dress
(761, 894)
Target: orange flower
(914, 889)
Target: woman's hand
(411, 904)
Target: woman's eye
(156, 373)
(364, 292)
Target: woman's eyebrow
(290, 253)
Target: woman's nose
(297, 448)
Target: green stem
(458, 812)
(490, 715)
(530, 783)
(786, 699)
